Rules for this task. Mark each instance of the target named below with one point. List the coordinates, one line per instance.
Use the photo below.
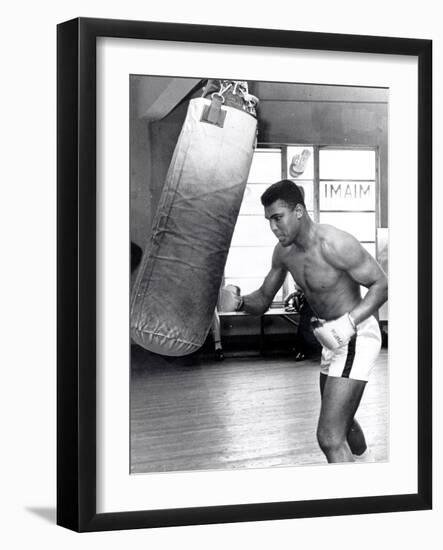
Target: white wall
(27, 218)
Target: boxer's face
(284, 221)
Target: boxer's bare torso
(328, 264)
(330, 291)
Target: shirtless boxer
(329, 265)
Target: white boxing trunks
(357, 358)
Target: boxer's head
(285, 209)
(286, 191)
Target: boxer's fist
(334, 334)
(230, 299)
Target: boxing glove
(230, 299)
(334, 334)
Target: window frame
(316, 148)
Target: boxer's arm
(259, 301)
(347, 254)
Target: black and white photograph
(221, 299)
(259, 274)
(244, 218)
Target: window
(300, 168)
(252, 244)
(340, 187)
(347, 192)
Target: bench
(290, 316)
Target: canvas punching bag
(176, 289)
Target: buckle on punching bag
(213, 114)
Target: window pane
(253, 231)
(251, 203)
(308, 188)
(248, 261)
(347, 195)
(370, 247)
(347, 164)
(300, 162)
(290, 284)
(361, 225)
(279, 296)
(383, 247)
(266, 166)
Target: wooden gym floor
(199, 414)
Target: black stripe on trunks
(350, 357)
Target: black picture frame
(76, 264)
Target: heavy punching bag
(176, 289)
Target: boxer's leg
(341, 398)
(355, 436)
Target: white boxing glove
(230, 299)
(334, 334)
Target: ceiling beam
(156, 105)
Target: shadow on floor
(48, 514)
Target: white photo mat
(117, 489)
